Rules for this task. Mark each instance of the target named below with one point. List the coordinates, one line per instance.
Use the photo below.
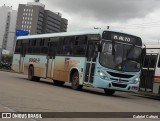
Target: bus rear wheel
(36, 78)
(59, 83)
(31, 76)
(75, 82)
(31, 73)
(109, 92)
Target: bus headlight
(137, 80)
(102, 75)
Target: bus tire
(59, 83)
(75, 82)
(36, 78)
(109, 92)
(31, 73)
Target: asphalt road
(17, 94)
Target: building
(34, 18)
(7, 24)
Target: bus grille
(122, 80)
(120, 75)
(119, 85)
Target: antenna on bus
(36, 0)
(97, 28)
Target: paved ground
(17, 94)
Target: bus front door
(148, 72)
(22, 57)
(51, 58)
(91, 61)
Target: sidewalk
(148, 95)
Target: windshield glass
(120, 57)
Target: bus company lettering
(34, 60)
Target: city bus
(150, 80)
(98, 58)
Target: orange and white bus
(104, 59)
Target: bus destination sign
(123, 38)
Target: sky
(138, 17)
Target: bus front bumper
(115, 85)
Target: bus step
(88, 84)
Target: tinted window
(92, 50)
(33, 42)
(159, 62)
(19, 42)
(153, 61)
(146, 60)
(80, 46)
(68, 43)
(150, 61)
(60, 46)
(44, 45)
(38, 46)
(53, 49)
(18, 46)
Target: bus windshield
(122, 57)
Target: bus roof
(91, 31)
(149, 46)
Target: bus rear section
(150, 77)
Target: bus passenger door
(51, 58)
(148, 72)
(22, 57)
(91, 61)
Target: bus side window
(153, 61)
(53, 49)
(159, 62)
(44, 45)
(53, 44)
(68, 45)
(34, 42)
(92, 50)
(35, 45)
(30, 46)
(146, 60)
(80, 46)
(18, 46)
(60, 45)
(41, 42)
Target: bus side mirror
(99, 48)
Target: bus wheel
(75, 82)
(109, 92)
(58, 83)
(37, 79)
(31, 73)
